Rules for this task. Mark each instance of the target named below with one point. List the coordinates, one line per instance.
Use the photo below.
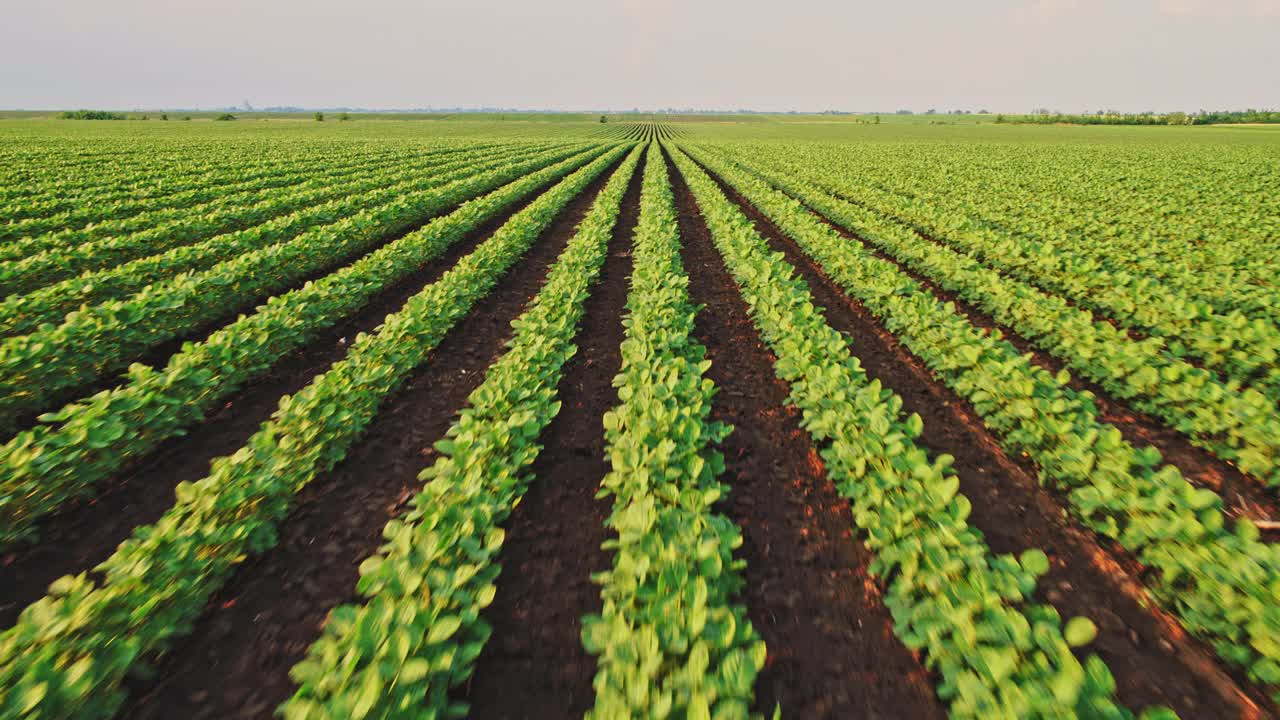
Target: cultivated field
(544, 417)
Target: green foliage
(106, 336)
(65, 223)
(329, 199)
(1231, 343)
(43, 467)
(91, 115)
(74, 647)
(1238, 424)
(1212, 576)
(1142, 257)
(670, 641)
(426, 590)
(224, 117)
(998, 654)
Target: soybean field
(630, 417)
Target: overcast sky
(1005, 55)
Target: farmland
(551, 417)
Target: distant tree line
(1107, 117)
(91, 115)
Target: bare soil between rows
(535, 666)
(1153, 660)
(831, 648)
(236, 662)
(832, 652)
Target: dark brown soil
(236, 662)
(1242, 495)
(535, 665)
(832, 651)
(1153, 660)
(87, 532)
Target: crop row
(21, 314)
(224, 201)
(670, 640)
(419, 628)
(53, 264)
(1213, 200)
(194, 171)
(615, 132)
(56, 190)
(62, 237)
(1201, 225)
(95, 218)
(998, 654)
(69, 652)
(143, 167)
(44, 467)
(1236, 346)
(36, 368)
(1238, 425)
(1212, 248)
(1219, 581)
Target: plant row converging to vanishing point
(151, 286)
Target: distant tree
(186, 117)
(984, 111)
(999, 119)
(164, 116)
(91, 115)
(319, 116)
(144, 117)
(604, 119)
(877, 120)
(344, 117)
(225, 117)
(931, 111)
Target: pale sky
(858, 55)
